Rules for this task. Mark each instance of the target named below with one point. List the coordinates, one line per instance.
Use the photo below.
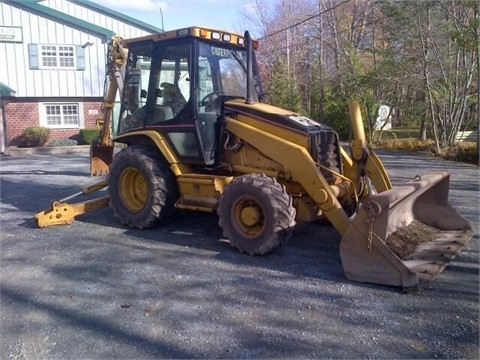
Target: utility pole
(288, 53)
(288, 38)
(477, 40)
(321, 84)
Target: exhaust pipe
(250, 99)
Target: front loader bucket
(404, 236)
(100, 158)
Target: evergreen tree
(284, 90)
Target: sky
(221, 14)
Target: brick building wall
(22, 114)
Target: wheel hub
(250, 215)
(133, 189)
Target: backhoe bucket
(404, 236)
(100, 158)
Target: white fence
(468, 135)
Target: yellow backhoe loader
(197, 135)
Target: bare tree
(414, 55)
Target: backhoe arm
(116, 60)
(101, 151)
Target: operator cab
(176, 84)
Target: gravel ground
(97, 290)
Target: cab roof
(193, 31)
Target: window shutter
(33, 57)
(80, 54)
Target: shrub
(87, 136)
(466, 153)
(34, 136)
(65, 142)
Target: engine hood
(273, 114)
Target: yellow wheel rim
(133, 189)
(249, 216)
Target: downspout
(4, 139)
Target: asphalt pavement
(98, 290)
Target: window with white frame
(65, 115)
(54, 56)
(57, 56)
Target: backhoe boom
(101, 151)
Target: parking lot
(97, 290)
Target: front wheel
(142, 187)
(256, 214)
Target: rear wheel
(256, 214)
(142, 188)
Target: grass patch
(407, 144)
(400, 133)
(463, 152)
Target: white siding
(118, 27)
(36, 29)
(48, 83)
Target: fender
(161, 143)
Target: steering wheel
(211, 97)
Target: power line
(305, 20)
(325, 39)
